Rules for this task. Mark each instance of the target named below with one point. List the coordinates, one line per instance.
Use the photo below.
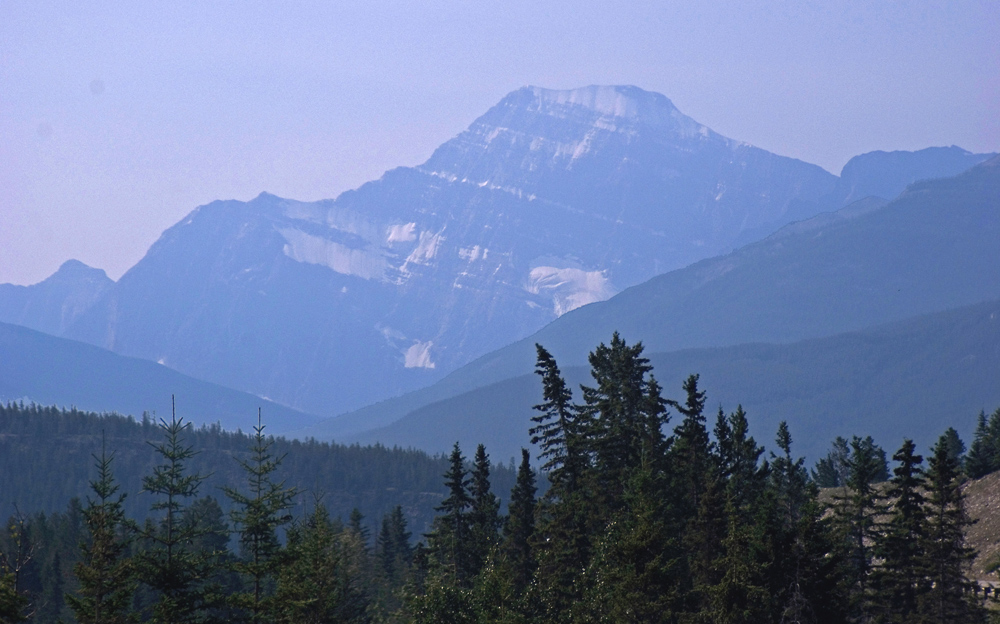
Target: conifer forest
(632, 507)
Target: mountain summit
(548, 202)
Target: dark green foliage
(982, 457)
(637, 566)
(484, 512)
(46, 456)
(257, 515)
(622, 414)
(451, 539)
(519, 530)
(558, 432)
(954, 446)
(856, 514)
(393, 544)
(319, 581)
(948, 598)
(170, 563)
(106, 573)
(901, 577)
(12, 603)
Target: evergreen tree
(982, 457)
(955, 446)
(14, 559)
(450, 538)
(696, 497)
(557, 431)
(832, 470)
(562, 540)
(947, 557)
(169, 565)
(106, 574)
(856, 514)
(520, 527)
(636, 572)
(257, 516)
(484, 513)
(393, 543)
(12, 603)
(316, 584)
(901, 576)
(622, 415)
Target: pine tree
(947, 557)
(520, 527)
(832, 470)
(450, 538)
(484, 513)
(106, 574)
(257, 516)
(169, 565)
(901, 576)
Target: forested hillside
(46, 458)
(652, 514)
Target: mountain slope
(933, 248)
(53, 304)
(914, 377)
(54, 371)
(549, 201)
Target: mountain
(887, 174)
(54, 303)
(37, 367)
(550, 201)
(933, 248)
(914, 377)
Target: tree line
(644, 519)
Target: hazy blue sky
(117, 120)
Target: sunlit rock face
(550, 201)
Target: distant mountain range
(44, 369)
(933, 248)
(550, 201)
(914, 378)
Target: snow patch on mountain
(426, 248)
(569, 288)
(402, 233)
(365, 263)
(419, 355)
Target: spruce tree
(484, 512)
(393, 544)
(257, 516)
(637, 570)
(557, 431)
(901, 577)
(169, 565)
(621, 416)
(856, 514)
(450, 538)
(982, 455)
(947, 557)
(519, 529)
(695, 496)
(106, 574)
